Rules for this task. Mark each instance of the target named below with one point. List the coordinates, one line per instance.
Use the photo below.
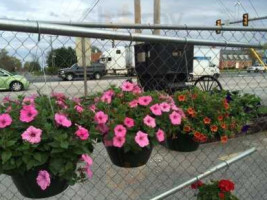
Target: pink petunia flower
(118, 141)
(62, 120)
(145, 100)
(103, 128)
(156, 110)
(77, 100)
(8, 109)
(43, 179)
(120, 130)
(61, 104)
(5, 120)
(28, 113)
(133, 103)
(128, 122)
(141, 139)
(79, 108)
(165, 107)
(106, 98)
(127, 86)
(58, 96)
(160, 135)
(137, 90)
(32, 135)
(82, 133)
(28, 100)
(92, 107)
(109, 93)
(87, 159)
(175, 118)
(88, 171)
(149, 121)
(101, 117)
(107, 142)
(6, 99)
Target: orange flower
(220, 117)
(181, 98)
(197, 134)
(190, 111)
(187, 128)
(224, 139)
(206, 120)
(226, 106)
(194, 114)
(223, 126)
(213, 128)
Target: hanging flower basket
(129, 159)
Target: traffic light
(245, 19)
(218, 23)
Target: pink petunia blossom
(128, 122)
(28, 101)
(58, 96)
(61, 104)
(43, 179)
(175, 118)
(77, 100)
(127, 86)
(79, 108)
(118, 141)
(5, 120)
(103, 128)
(107, 142)
(88, 171)
(101, 117)
(160, 135)
(110, 93)
(87, 159)
(82, 133)
(6, 99)
(137, 90)
(62, 120)
(106, 98)
(92, 107)
(120, 130)
(8, 109)
(32, 135)
(145, 100)
(165, 107)
(149, 121)
(28, 113)
(96, 99)
(133, 103)
(141, 139)
(156, 110)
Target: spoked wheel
(208, 83)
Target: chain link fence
(42, 59)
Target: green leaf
(64, 144)
(10, 143)
(6, 155)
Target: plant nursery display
(130, 124)
(45, 143)
(215, 190)
(217, 115)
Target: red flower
(214, 128)
(197, 184)
(220, 117)
(190, 111)
(194, 96)
(221, 195)
(224, 139)
(181, 98)
(206, 120)
(197, 134)
(187, 128)
(226, 185)
(223, 126)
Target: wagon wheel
(208, 83)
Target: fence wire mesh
(43, 63)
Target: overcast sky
(191, 12)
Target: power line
(90, 10)
(253, 7)
(225, 8)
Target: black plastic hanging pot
(130, 159)
(28, 187)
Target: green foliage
(61, 58)
(60, 148)
(9, 63)
(32, 66)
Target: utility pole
(137, 14)
(84, 66)
(156, 16)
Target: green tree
(32, 66)
(61, 58)
(9, 63)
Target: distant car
(95, 71)
(9, 81)
(256, 68)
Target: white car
(256, 68)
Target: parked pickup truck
(256, 68)
(95, 71)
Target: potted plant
(215, 190)
(211, 116)
(127, 119)
(42, 139)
